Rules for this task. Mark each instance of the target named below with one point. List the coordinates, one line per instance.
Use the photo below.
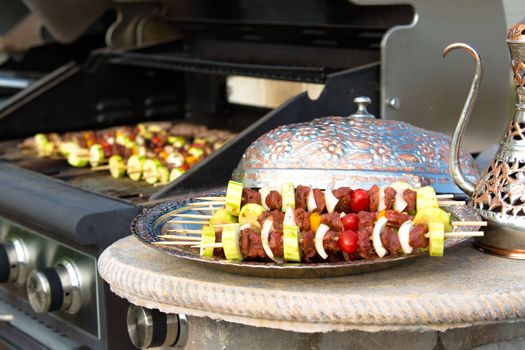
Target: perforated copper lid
(356, 151)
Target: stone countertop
(462, 289)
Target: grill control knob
(55, 288)
(152, 328)
(13, 262)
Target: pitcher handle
(454, 162)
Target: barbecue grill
(56, 220)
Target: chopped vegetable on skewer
(221, 217)
(288, 196)
(234, 197)
(230, 242)
(117, 168)
(208, 237)
(291, 244)
(249, 214)
(96, 155)
(436, 232)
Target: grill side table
(465, 298)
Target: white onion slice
(404, 236)
(311, 200)
(245, 226)
(265, 234)
(376, 237)
(330, 199)
(264, 192)
(289, 217)
(399, 202)
(319, 235)
(342, 215)
(381, 206)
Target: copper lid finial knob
(517, 31)
(362, 102)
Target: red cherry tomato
(359, 200)
(348, 241)
(350, 221)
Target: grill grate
(99, 182)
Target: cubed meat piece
(301, 197)
(390, 197)
(319, 200)
(395, 218)
(417, 236)
(277, 217)
(333, 221)
(250, 196)
(251, 245)
(308, 246)
(218, 252)
(343, 194)
(373, 195)
(390, 240)
(366, 219)
(410, 197)
(275, 241)
(331, 242)
(364, 246)
(274, 201)
(302, 219)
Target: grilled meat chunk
(250, 196)
(417, 236)
(301, 197)
(274, 200)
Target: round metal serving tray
(154, 222)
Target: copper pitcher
(499, 196)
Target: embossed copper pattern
(516, 38)
(352, 150)
(518, 68)
(516, 131)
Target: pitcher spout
(454, 162)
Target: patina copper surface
(499, 196)
(354, 151)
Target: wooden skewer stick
(180, 237)
(197, 204)
(186, 243)
(189, 222)
(100, 168)
(193, 216)
(184, 231)
(469, 223)
(211, 245)
(211, 198)
(6, 318)
(210, 208)
(444, 196)
(454, 234)
(463, 234)
(158, 184)
(450, 203)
